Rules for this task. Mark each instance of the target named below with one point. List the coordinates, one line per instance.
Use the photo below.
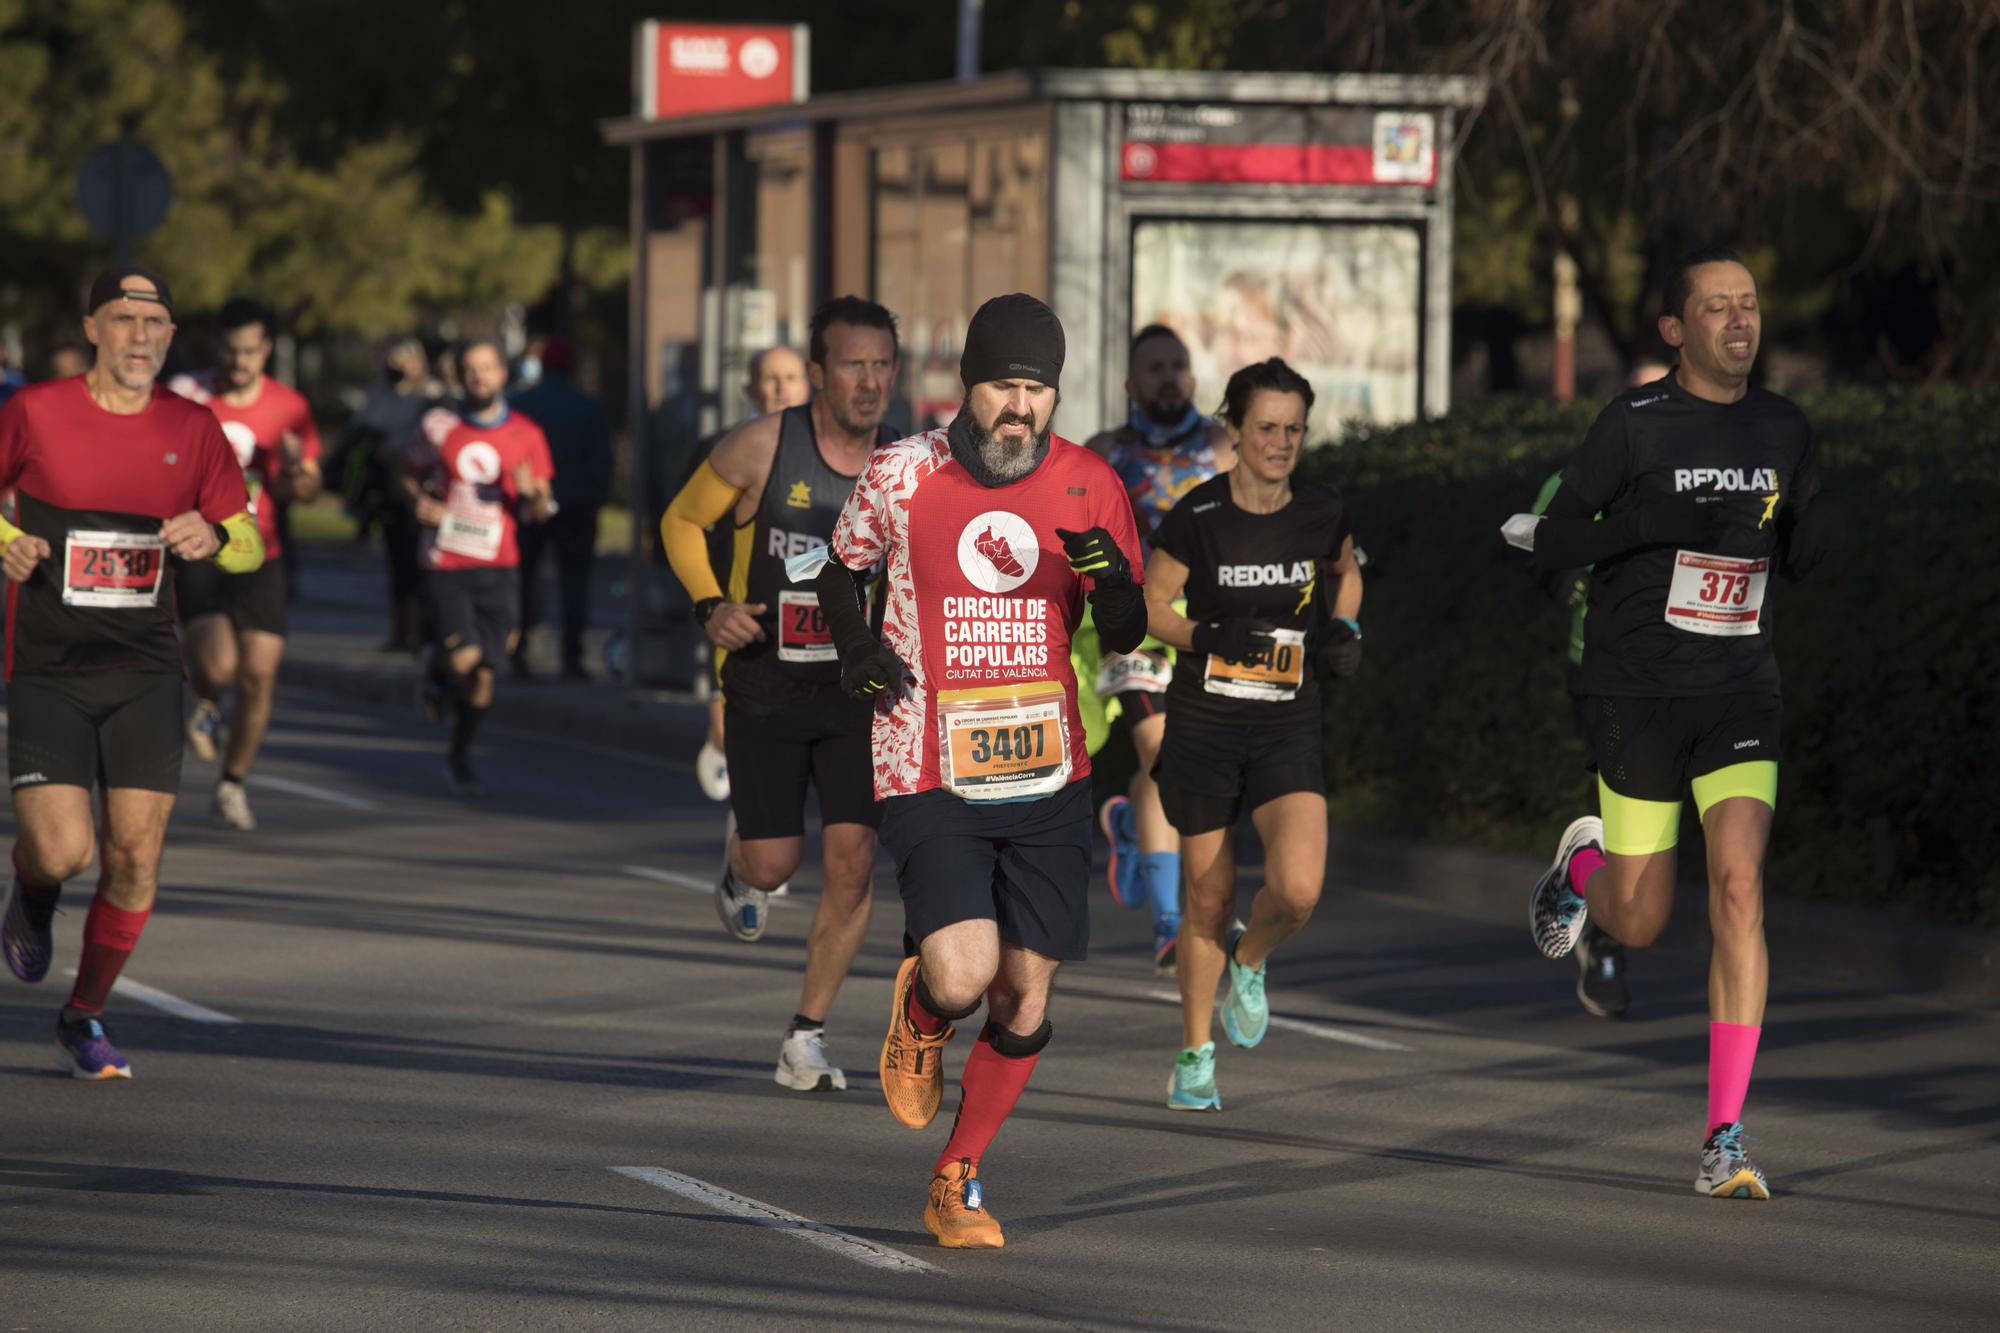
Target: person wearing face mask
(1162, 451)
(995, 531)
(1684, 497)
(469, 475)
(1273, 595)
(580, 446)
(776, 484)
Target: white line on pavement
(669, 877)
(1320, 1030)
(171, 1004)
(307, 789)
(763, 1214)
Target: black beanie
(110, 286)
(1012, 337)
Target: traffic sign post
(124, 191)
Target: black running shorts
(1024, 865)
(1211, 771)
(109, 728)
(253, 601)
(772, 754)
(1651, 749)
(477, 607)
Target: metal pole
(969, 13)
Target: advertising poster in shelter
(1340, 302)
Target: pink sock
(1581, 867)
(1732, 1050)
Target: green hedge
(1458, 726)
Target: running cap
(1013, 337)
(110, 285)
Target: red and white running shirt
(981, 605)
(471, 466)
(260, 432)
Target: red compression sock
(922, 1019)
(1732, 1050)
(988, 1089)
(109, 936)
(1581, 867)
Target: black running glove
(1238, 639)
(867, 667)
(1094, 554)
(1340, 652)
(873, 670)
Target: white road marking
(1319, 1030)
(165, 1003)
(669, 877)
(307, 789)
(763, 1214)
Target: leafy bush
(1458, 725)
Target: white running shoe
(232, 806)
(802, 1064)
(1556, 912)
(1726, 1169)
(744, 911)
(202, 724)
(711, 770)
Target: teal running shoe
(1192, 1087)
(1245, 1011)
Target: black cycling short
(475, 607)
(1135, 706)
(1211, 771)
(103, 728)
(772, 753)
(1024, 865)
(253, 601)
(1650, 749)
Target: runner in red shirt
(236, 622)
(466, 473)
(993, 532)
(114, 475)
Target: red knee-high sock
(109, 936)
(919, 1013)
(1581, 867)
(990, 1086)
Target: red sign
(686, 69)
(1277, 145)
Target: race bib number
(471, 527)
(1273, 676)
(1717, 594)
(803, 635)
(113, 569)
(1119, 672)
(1003, 744)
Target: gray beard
(1001, 461)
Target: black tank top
(796, 661)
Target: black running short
(253, 601)
(1651, 749)
(105, 728)
(1211, 771)
(773, 753)
(475, 607)
(1024, 865)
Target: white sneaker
(711, 770)
(744, 911)
(202, 724)
(802, 1065)
(232, 806)
(1726, 1169)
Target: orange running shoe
(912, 1064)
(956, 1214)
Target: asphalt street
(494, 1065)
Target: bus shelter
(1306, 216)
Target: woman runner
(1248, 549)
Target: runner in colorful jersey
(466, 474)
(784, 478)
(1260, 559)
(1705, 486)
(1162, 452)
(114, 475)
(994, 531)
(236, 622)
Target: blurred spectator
(69, 359)
(363, 465)
(580, 446)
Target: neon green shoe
(1192, 1087)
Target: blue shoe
(1556, 912)
(87, 1050)
(1726, 1169)
(1121, 831)
(1245, 1011)
(27, 945)
(1192, 1087)
(1166, 945)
